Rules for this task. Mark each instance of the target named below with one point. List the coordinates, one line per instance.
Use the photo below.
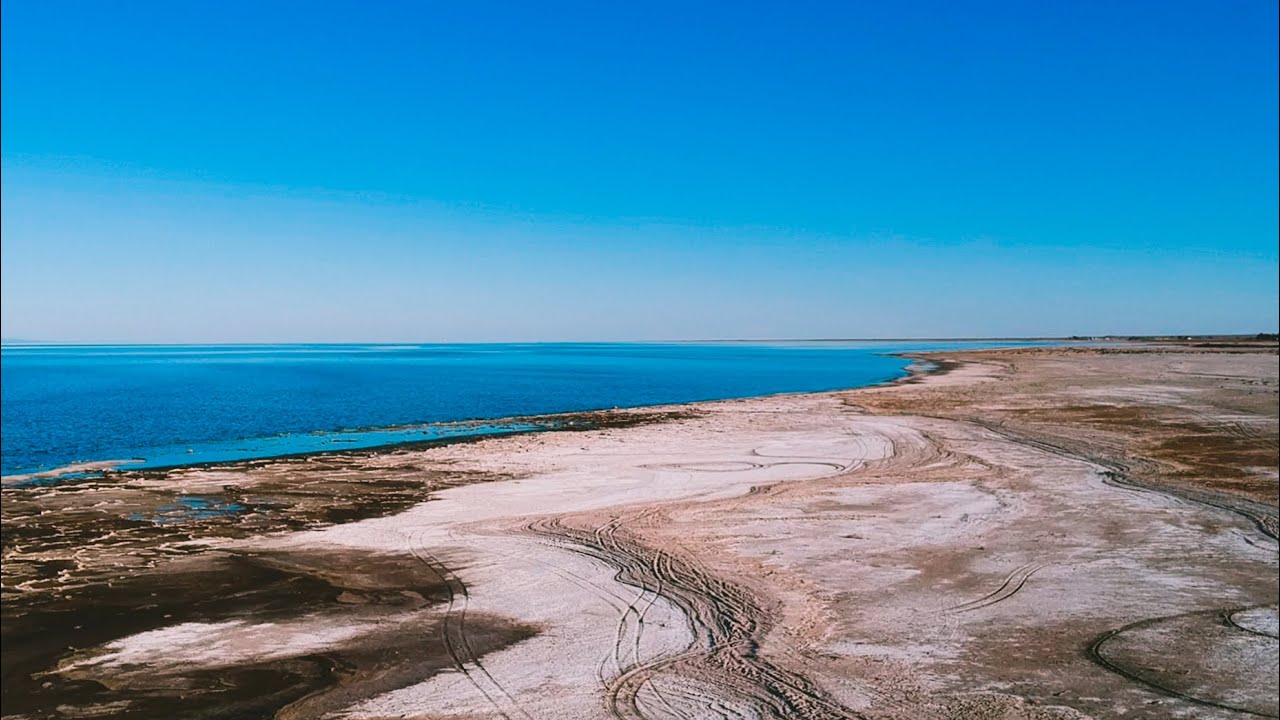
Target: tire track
(726, 622)
(454, 634)
(626, 608)
(1013, 582)
(1262, 516)
(1097, 655)
(838, 464)
(1229, 617)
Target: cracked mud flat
(1034, 534)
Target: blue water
(158, 406)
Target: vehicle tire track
(726, 622)
(1097, 655)
(1229, 617)
(454, 634)
(1013, 582)
(1263, 517)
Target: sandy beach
(1024, 533)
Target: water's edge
(919, 365)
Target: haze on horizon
(380, 172)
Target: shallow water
(157, 406)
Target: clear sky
(466, 171)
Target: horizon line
(10, 342)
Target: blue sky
(179, 172)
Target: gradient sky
(466, 171)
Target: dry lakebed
(1023, 533)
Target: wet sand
(1035, 533)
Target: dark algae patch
(92, 562)
(78, 578)
(47, 647)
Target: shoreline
(917, 549)
(570, 420)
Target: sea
(151, 406)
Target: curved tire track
(1013, 582)
(1096, 654)
(454, 632)
(726, 622)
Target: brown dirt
(1215, 432)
